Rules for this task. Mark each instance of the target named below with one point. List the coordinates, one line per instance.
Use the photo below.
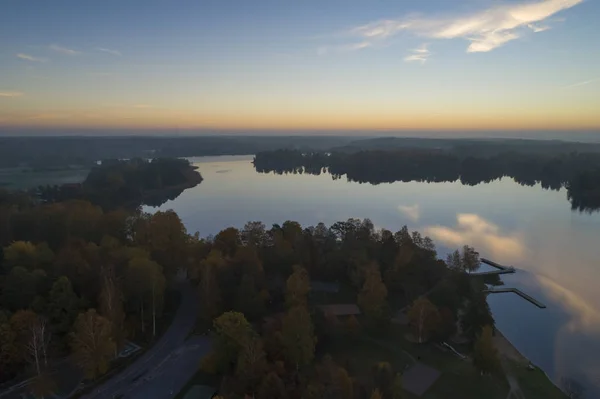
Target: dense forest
(43, 152)
(70, 271)
(255, 272)
(579, 173)
(116, 183)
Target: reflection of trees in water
(128, 183)
(578, 173)
(159, 198)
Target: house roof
(419, 378)
(322, 286)
(344, 309)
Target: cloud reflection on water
(571, 323)
(485, 236)
(577, 336)
(412, 212)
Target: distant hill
(482, 147)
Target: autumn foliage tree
(32, 337)
(485, 354)
(251, 365)
(330, 381)
(298, 336)
(372, 297)
(92, 343)
(146, 285)
(297, 287)
(63, 305)
(248, 300)
(164, 236)
(272, 387)
(233, 333)
(424, 318)
(211, 300)
(383, 378)
(111, 305)
(466, 260)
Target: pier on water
(519, 293)
(501, 269)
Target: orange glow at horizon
(157, 118)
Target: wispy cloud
(344, 48)
(585, 82)
(11, 94)
(420, 54)
(109, 51)
(63, 50)
(485, 30)
(28, 57)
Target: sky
(305, 65)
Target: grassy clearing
(468, 384)
(459, 379)
(535, 383)
(358, 355)
(14, 178)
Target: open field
(22, 179)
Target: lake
(555, 250)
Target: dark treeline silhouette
(48, 153)
(133, 182)
(61, 152)
(579, 173)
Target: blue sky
(427, 64)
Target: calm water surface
(557, 251)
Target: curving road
(128, 382)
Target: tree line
(578, 172)
(46, 152)
(117, 183)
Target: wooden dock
(493, 272)
(501, 269)
(497, 265)
(505, 270)
(519, 293)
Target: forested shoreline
(80, 278)
(128, 183)
(578, 173)
(71, 266)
